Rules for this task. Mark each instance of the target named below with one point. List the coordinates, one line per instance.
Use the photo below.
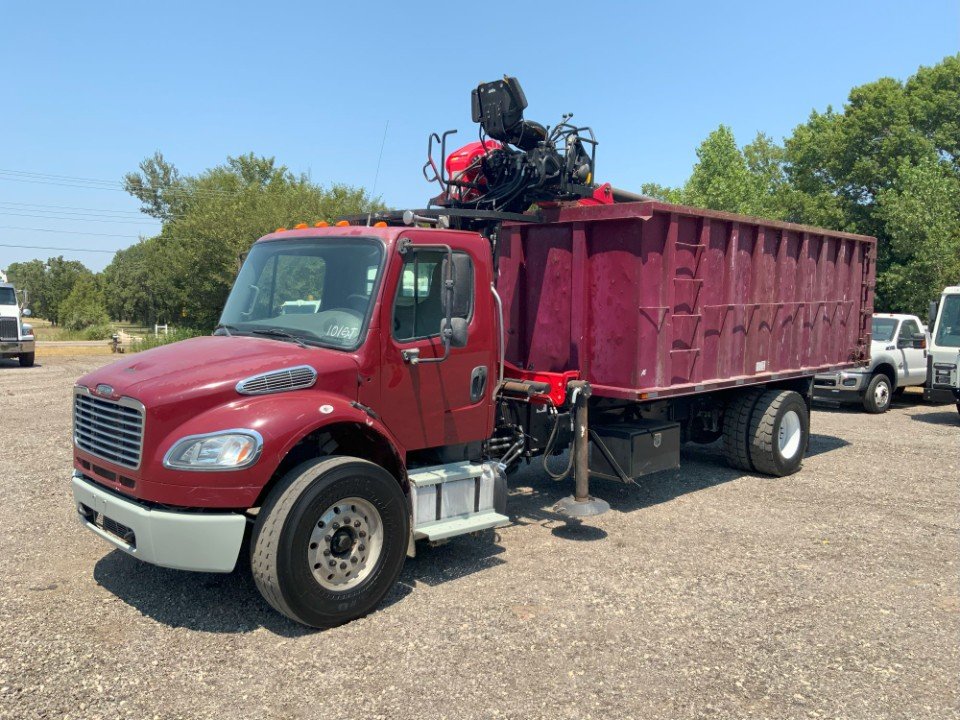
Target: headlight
(224, 450)
(26, 329)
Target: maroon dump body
(649, 299)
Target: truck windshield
(883, 329)
(317, 290)
(948, 324)
(7, 296)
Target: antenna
(376, 177)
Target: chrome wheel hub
(881, 394)
(788, 438)
(345, 544)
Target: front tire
(330, 541)
(779, 432)
(27, 359)
(877, 398)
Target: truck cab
(898, 360)
(943, 383)
(16, 336)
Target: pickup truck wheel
(736, 426)
(779, 431)
(330, 541)
(877, 397)
(26, 359)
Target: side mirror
(26, 312)
(919, 341)
(932, 316)
(462, 286)
(456, 332)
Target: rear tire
(779, 432)
(26, 359)
(877, 397)
(291, 548)
(736, 426)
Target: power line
(78, 217)
(68, 232)
(70, 207)
(62, 249)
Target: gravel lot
(705, 593)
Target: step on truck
(943, 361)
(526, 315)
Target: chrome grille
(295, 378)
(108, 429)
(8, 329)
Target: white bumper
(836, 383)
(204, 542)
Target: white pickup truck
(944, 359)
(898, 360)
(16, 336)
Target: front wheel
(27, 359)
(877, 397)
(330, 541)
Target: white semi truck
(16, 336)
(943, 361)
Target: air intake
(295, 378)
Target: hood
(9, 311)
(205, 370)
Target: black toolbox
(639, 448)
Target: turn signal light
(342, 223)
(322, 223)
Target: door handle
(478, 383)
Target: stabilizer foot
(573, 508)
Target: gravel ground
(705, 593)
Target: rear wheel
(330, 541)
(878, 395)
(779, 432)
(26, 359)
(736, 426)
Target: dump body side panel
(650, 299)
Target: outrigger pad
(573, 508)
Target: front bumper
(841, 385)
(204, 542)
(16, 347)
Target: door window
(418, 308)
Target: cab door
(914, 371)
(431, 404)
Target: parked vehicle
(944, 357)
(898, 360)
(16, 336)
(443, 356)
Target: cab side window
(908, 329)
(418, 307)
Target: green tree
(30, 277)
(720, 179)
(84, 305)
(183, 275)
(921, 217)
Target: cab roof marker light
(300, 226)
(280, 229)
(343, 223)
(322, 223)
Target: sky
(88, 90)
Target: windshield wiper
(277, 332)
(226, 329)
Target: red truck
(525, 313)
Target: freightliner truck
(526, 314)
